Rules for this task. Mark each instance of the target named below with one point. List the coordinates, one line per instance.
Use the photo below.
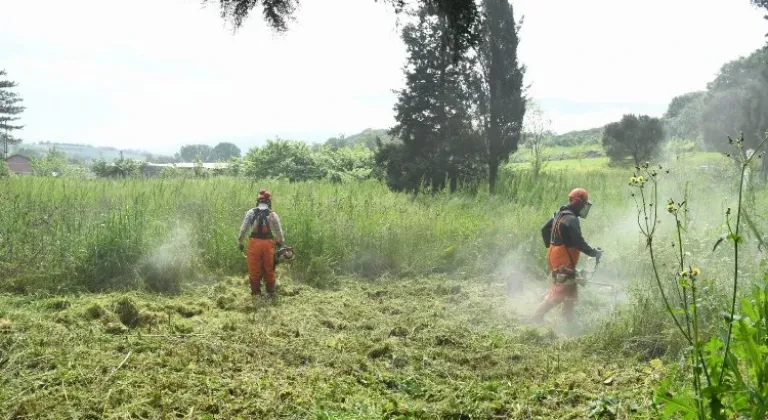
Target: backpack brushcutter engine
(284, 254)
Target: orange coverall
(562, 235)
(261, 248)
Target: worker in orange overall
(562, 235)
(265, 232)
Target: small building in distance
(19, 165)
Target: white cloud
(157, 74)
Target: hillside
(365, 138)
(80, 152)
(579, 137)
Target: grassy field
(127, 299)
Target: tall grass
(60, 234)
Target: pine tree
(9, 109)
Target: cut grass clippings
(425, 348)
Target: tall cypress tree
(501, 100)
(9, 111)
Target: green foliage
(737, 102)
(727, 375)
(5, 172)
(461, 15)
(98, 234)
(223, 152)
(188, 153)
(502, 104)
(285, 159)
(580, 137)
(10, 108)
(433, 114)
(537, 136)
(54, 163)
(367, 138)
(682, 119)
(120, 168)
(639, 138)
(431, 348)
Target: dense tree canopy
(501, 100)
(682, 119)
(224, 151)
(433, 113)
(737, 102)
(190, 152)
(639, 138)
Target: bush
(5, 171)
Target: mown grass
(430, 347)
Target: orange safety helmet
(264, 196)
(579, 194)
(580, 198)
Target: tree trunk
(454, 180)
(493, 173)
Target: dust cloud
(173, 262)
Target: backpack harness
(261, 229)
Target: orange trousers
(261, 264)
(567, 294)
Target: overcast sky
(156, 74)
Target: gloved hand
(599, 253)
(241, 247)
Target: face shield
(585, 210)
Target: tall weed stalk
(727, 375)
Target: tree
(224, 151)
(5, 171)
(461, 15)
(761, 3)
(537, 134)
(188, 153)
(283, 159)
(737, 102)
(54, 163)
(639, 138)
(9, 111)
(433, 113)
(501, 101)
(683, 117)
(119, 168)
(149, 157)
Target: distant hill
(79, 152)
(365, 138)
(575, 138)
